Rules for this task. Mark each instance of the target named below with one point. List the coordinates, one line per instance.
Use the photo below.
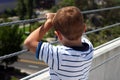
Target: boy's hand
(49, 17)
(33, 39)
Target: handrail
(38, 19)
(13, 54)
(35, 74)
(97, 10)
(99, 29)
(21, 21)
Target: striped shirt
(67, 63)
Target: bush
(10, 42)
(104, 36)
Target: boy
(72, 60)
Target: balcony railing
(40, 19)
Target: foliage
(35, 3)
(111, 16)
(54, 8)
(63, 3)
(14, 78)
(110, 3)
(8, 13)
(103, 36)
(81, 4)
(10, 42)
(21, 9)
(25, 9)
(86, 4)
(67, 3)
(103, 18)
(50, 34)
(33, 26)
(29, 8)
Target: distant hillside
(7, 1)
(5, 4)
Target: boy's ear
(84, 27)
(58, 34)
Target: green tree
(111, 16)
(81, 4)
(21, 9)
(67, 3)
(29, 8)
(104, 36)
(36, 3)
(63, 3)
(25, 9)
(10, 42)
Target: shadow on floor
(11, 73)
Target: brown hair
(69, 21)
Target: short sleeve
(38, 49)
(46, 52)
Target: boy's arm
(33, 39)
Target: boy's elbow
(31, 45)
(27, 43)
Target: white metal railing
(39, 19)
(23, 51)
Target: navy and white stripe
(67, 62)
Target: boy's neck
(71, 43)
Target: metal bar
(97, 10)
(36, 74)
(38, 19)
(16, 53)
(102, 28)
(13, 54)
(22, 21)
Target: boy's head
(69, 22)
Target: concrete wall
(107, 62)
(105, 66)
